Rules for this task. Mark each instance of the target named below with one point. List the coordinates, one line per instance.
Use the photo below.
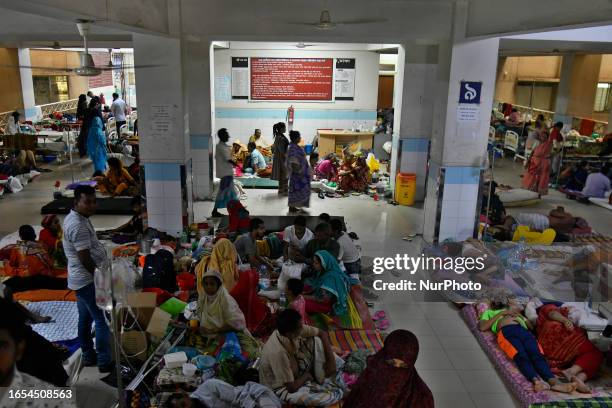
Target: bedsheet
(64, 323)
(523, 389)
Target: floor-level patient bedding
(106, 206)
(523, 389)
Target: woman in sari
(353, 175)
(27, 257)
(117, 180)
(279, 156)
(299, 174)
(328, 290)
(223, 259)
(567, 347)
(51, 237)
(239, 152)
(390, 379)
(96, 140)
(537, 172)
(242, 286)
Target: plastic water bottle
(264, 278)
(283, 300)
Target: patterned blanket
(64, 323)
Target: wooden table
(329, 139)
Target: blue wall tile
(162, 172)
(415, 145)
(462, 175)
(200, 142)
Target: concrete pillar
(27, 85)
(197, 86)
(583, 86)
(458, 151)
(419, 75)
(162, 130)
(563, 90)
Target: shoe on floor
(321, 195)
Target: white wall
(241, 117)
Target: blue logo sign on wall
(469, 92)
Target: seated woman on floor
(566, 346)
(297, 362)
(390, 378)
(353, 175)
(242, 286)
(51, 237)
(239, 152)
(505, 319)
(573, 177)
(327, 169)
(218, 311)
(27, 257)
(135, 225)
(117, 180)
(328, 290)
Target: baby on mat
(505, 319)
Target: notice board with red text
(295, 79)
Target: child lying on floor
(504, 318)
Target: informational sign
(161, 121)
(469, 92)
(291, 79)
(223, 88)
(240, 78)
(468, 113)
(344, 79)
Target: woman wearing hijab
(279, 153)
(390, 379)
(242, 286)
(81, 107)
(218, 311)
(298, 170)
(223, 259)
(96, 140)
(328, 290)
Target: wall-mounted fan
(87, 66)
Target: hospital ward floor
(450, 361)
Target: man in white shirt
(18, 389)
(119, 109)
(349, 253)
(296, 236)
(225, 171)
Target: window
(602, 97)
(50, 89)
(537, 94)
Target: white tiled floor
(450, 360)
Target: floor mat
(257, 182)
(353, 340)
(106, 206)
(523, 389)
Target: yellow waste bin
(405, 188)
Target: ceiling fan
(87, 65)
(325, 22)
(302, 45)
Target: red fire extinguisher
(290, 115)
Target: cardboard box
(158, 323)
(134, 344)
(141, 308)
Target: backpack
(158, 271)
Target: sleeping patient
(505, 319)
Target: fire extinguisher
(290, 115)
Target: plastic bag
(15, 185)
(290, 270)
(373, 164)
(231, 348)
